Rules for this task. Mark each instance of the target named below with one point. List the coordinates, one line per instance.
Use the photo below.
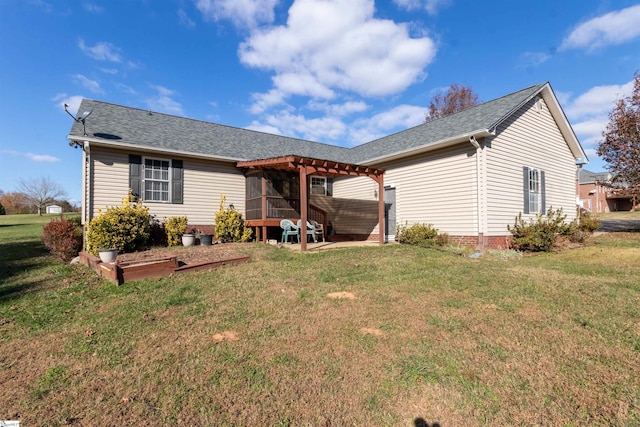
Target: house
(469, 174)
(54, 209)
(598, 193)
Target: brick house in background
(597, 193)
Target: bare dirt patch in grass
(225, 336)
(341, 295)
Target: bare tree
(457, 98)
(40, 191)
(620, 147)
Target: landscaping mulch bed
(187, 255)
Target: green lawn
(620, 215)
(424, 335)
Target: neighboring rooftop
(587, 177)
(111, 123)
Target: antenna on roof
(80, 118)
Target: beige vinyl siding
(204, 182)
(437, 188)
(530, 137)
(354, 207)
(358, 187)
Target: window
(156, 180)
(534, 191)
(319, 185)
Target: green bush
(63, 238)
(229, 225)
(539, 234)
(417, 234)
(125, 228)
(589, 222)
(175, 228)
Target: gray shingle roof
(588, 177)
(145, 129)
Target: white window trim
(324, 185)
(144, 179)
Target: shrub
(175, 227)
(589, 222)
(230, 225)
(125, 228)
(443, 239)
(539, 233)
(157, 233)
(417, 234)
(63, 238)
(2, 210)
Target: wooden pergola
(306, 167)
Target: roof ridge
(212, 123)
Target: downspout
(87, 183)
(476, 144)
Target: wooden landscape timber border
(128, 271)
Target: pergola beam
(306, 166)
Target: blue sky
(335, 71)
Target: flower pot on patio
(188, 239)
(108, 255)
(206, 239)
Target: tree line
(33, 195)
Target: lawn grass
(620, 215)
(552, 339)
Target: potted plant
(108, 255)
(188, 239)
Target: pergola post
(303, 208)
(264, 207)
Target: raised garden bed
(161, 263)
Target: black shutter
(543, 195)
(329, 186)
(135, 175)
(525, 183)
(177, 182)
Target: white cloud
(73, 102)
(610, 29)
(598, 100)
(431, 6)
(338, 110)
(126, 89)
(532, 59)
(102, 51)
(314, 129)
(243, 13)
(109, 70)
(163, 101)
(589, 111)
(334, 45)
(398, 118)
(92, 7)
(92, 85)
(185, 20)
(41, 158)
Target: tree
(40, 191)
(457, 98)
(620, 148)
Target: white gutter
(479, 202)
(479, 133)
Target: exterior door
(389, 214)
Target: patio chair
(319, 233)
(289, 229)
(311, 231)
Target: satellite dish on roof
(81, 118)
